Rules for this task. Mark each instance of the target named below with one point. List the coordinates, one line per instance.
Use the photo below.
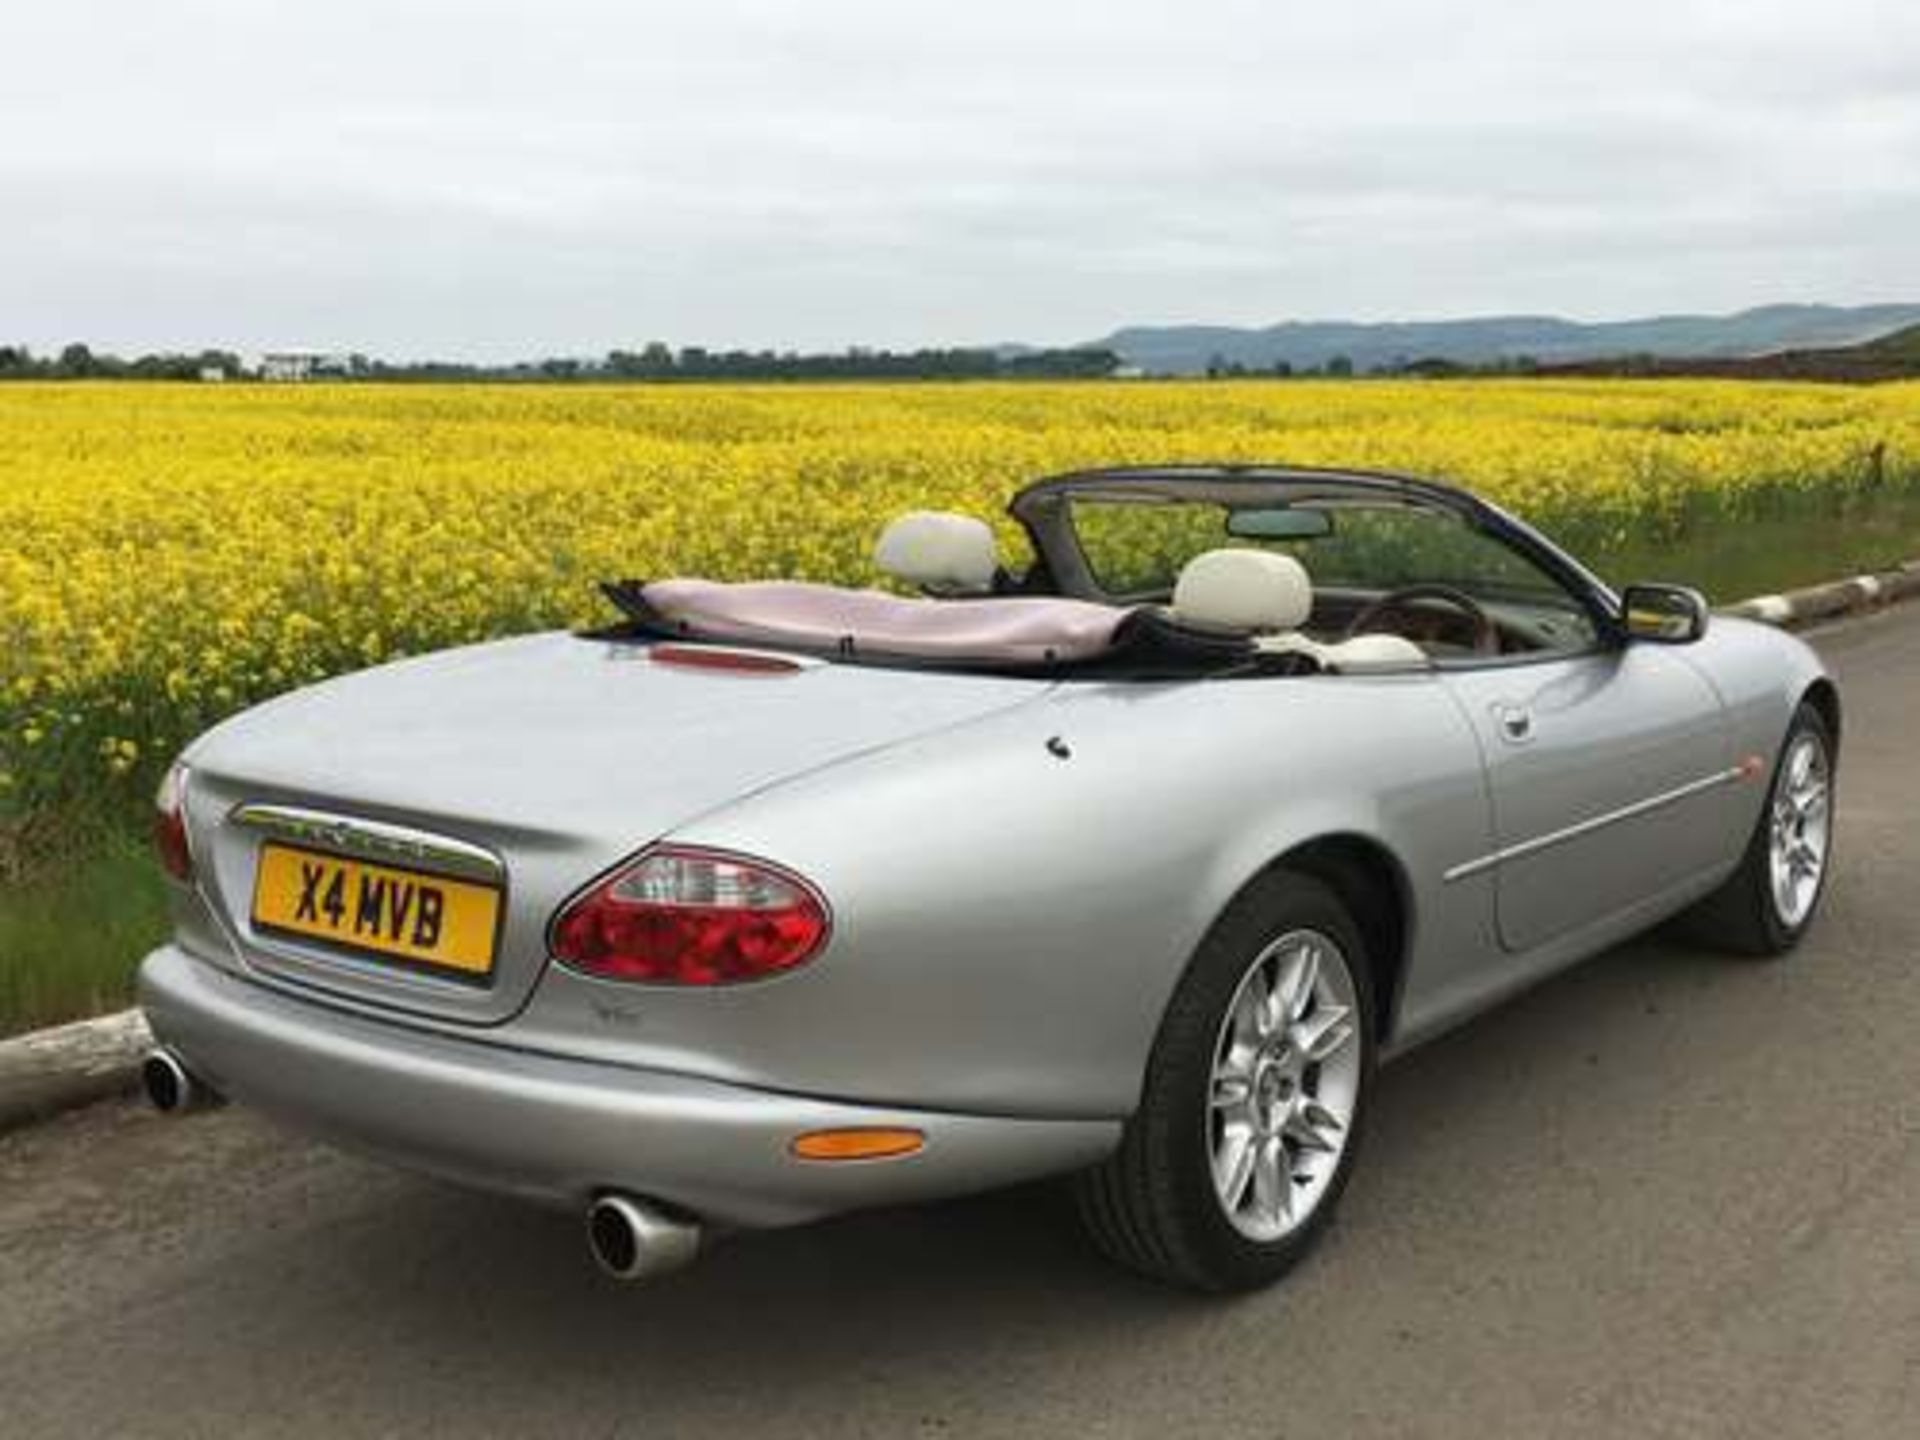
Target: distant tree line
(656, 361)
(78, 362)
(1342, 367)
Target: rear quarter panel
(1009, 923)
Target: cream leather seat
(1271, 596)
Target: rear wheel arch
(1372, 885)
(1824, 696)
(1156, 1203)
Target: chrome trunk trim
(375, 840)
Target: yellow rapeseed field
(170, 553)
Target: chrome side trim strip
(372, 840)
(1593, 823)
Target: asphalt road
(1668, 1194)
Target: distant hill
(1547, 339)
(1889, 357)
(1902, 347)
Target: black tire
(1742, 916)
(1152, 1205)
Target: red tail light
(692, 917)
(170, 823)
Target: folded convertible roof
(1013, 630)
(1008, 634)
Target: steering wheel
(1486, 635)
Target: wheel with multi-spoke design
(1254, 1096)
(1766, 905)
(1286, 1076)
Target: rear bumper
(561, 1131)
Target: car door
(1607, 771)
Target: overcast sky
(481, 179)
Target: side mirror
(1664, 614)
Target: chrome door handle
(1515, 722)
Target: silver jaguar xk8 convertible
(1127, 858)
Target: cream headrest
(939, 551)
(1243, 590)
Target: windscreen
(1135, 546)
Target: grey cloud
(494, 179)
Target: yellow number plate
(426, 919)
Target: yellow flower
(171, 553)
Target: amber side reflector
(880, 1144)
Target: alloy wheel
(1285, 1082)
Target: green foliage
(70, 938)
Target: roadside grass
(1806, 544)
(74, 925)
(71, 934)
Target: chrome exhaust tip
(170, 1087)
(635, 1239)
